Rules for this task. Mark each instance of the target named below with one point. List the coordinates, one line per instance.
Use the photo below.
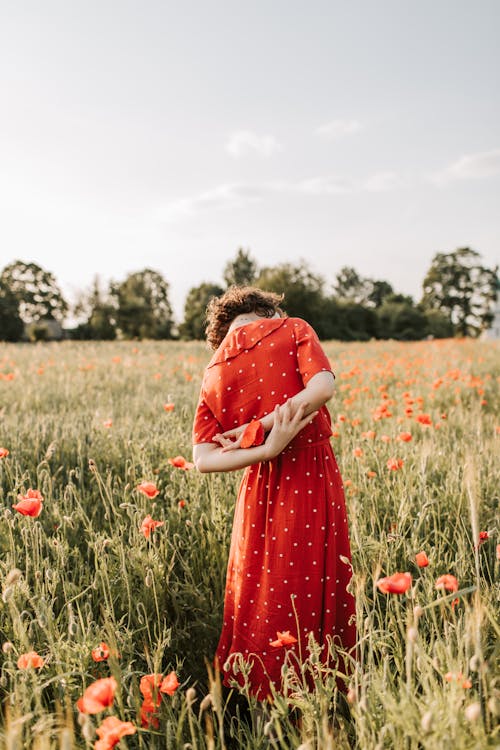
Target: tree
(401, 321)
(458, 285)
(36, 290)
(241, 271)
(351, 287)
(193, 325)
(11, 325)
(143, 308)
(98, 311)
(303, 291)
(380, 291)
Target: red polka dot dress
(290, 526)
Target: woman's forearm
(214, 459)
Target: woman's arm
(287, 423)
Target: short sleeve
(205, 425)
(311, 357)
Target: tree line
(458, 292)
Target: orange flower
(253, 434)
(459, 678)
(371, 474)
(422, 560)
(357, 452)
(3, 452)
(169, 406)
(111, 731)
(148, 717)
(98, 696)
(30, 659)
(284, 639)
(149, 489)
(405, 437)
(30, 504)
(483, 536)
(148, 525)
(180, 463)
(369, 435)
(181, 504)
(393, 464)
(169, 684)
(424, 419)
(101, 653)
(147, 686)
(398, 583)
(107, 423)
(385, 438)
(448, 582)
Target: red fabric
(290, 525)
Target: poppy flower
(483, 536)
(424, 419)
(393, 464)
(147, 686)
(422, 560)
(357, 452)
(98, 696)
(107, 423)
(405, 437)
(30, 659)
(459, 678)
(169, 406)
(385, 438)
(111, 731)
(149, 489)
(101, 653)
(148, 525)
(180, 463)
(369, 435)
(148, 716)
(4, 452)
(447, 582)
(30, 504)
(169, 684)
(253, 434)
(181, 504)
(371, 474)
(398, 583)
(284, 639)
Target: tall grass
(87, 574)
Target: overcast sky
(166, 134)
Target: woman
(285, 578)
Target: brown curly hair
(221, 311)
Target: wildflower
(30, 504)
(30, 659)
(111, 731)
(284, 639)
(421, 559)
(405, 437)
(148, 525)
(4, 452)
(98, 696)
(169, 406)
(459, 678)
(180, 463)
(357, 452)
(398, 583)
(107, 423)
(424, 419)
(253, 434)
(447, 582)
(101, 653)
(371, 474)
(149, 489)
(483, 536)
(368, 435)
(181, 504)
(455, 602)
(385, 438)
(393, 464)
(169, 684)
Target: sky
(163, 134)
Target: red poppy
(483, 536)
(101, 653)
(107, 423)
(30, 504)
(181, 503)
(284, 639)
(398, 583)
(98, 696)
(169, 406)
(405, 437)
(148, 525)
(357, 452)
(149, 489)
(422, 560)
(459, 678)
(253, 434)
(448, 582)
(169, 684)
(111, 731)
(424, 419)
(393, 464)
(180, 463)
(4, 452)
(30, 659)
(371, 474)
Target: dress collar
(245, 337)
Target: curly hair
(222, 310)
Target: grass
(87, 574)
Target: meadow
(92, 590)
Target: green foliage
(11, 325)
(438, 324)
(401, 321)
(302, 288)
(459, 286)
(242, 271)
(193, 325)
(351, 287)
(143, 308)
(98, 312)
(36, 290)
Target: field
(416, 435)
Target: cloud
(469, 167)
(338, 128)
(245, 141)
(231, 195)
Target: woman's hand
(231, 439)
(287, 423)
